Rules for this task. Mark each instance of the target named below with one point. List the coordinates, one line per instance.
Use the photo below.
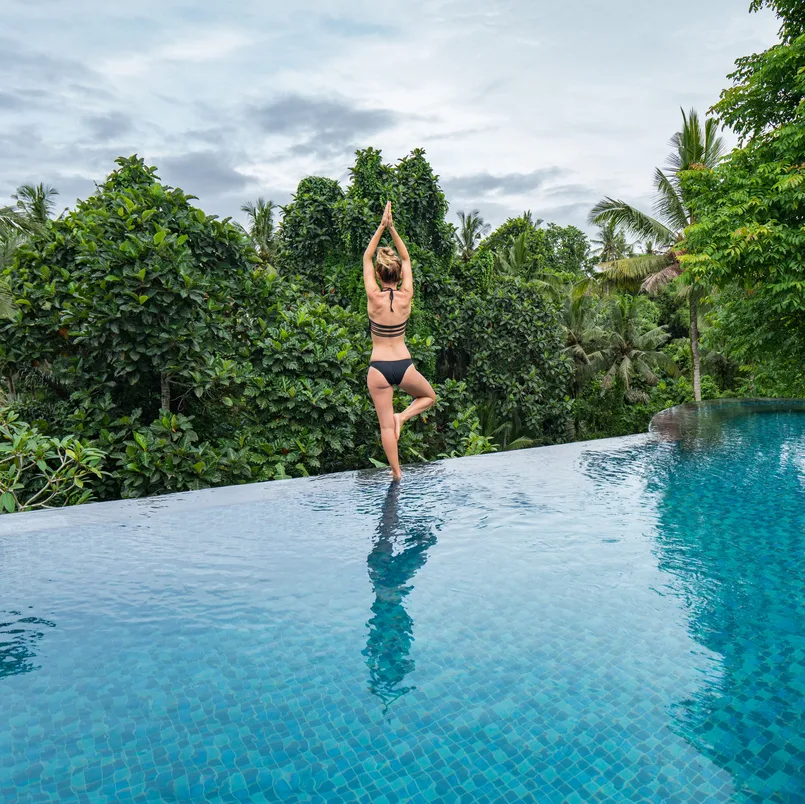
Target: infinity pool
(612, 621)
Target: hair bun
(389, 265)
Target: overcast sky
(522, 104)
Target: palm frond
(10, 242)
(630, 220)
(11, 220)
(668, 203)
(8, 309)
(652, 339)
(634, 270)
(644, 369)
(523, 442)
(714, 145)
(664, 362)
(471, 230)
(695, 144)
(36, 202)
(654, 283)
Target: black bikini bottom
(392, 370)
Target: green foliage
(133, 286)
(166, 457)
(40, 471)
(768, 88)
(471, 230)
(261, 230)
(189, 353)
(307, 385)
(422, 206)
(7, 308)
(749, 239)
(525, 249)
(310, 227)
(507, 345)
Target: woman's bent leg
(414, 384)
(383, 397)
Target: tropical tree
(611, 244)
(632, 350)
(516, 260)
(36, 204)
(261, 229)
(472, 229)
(748, 239)
(584, 337)
(696, 146)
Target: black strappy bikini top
(388, 330)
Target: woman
(391, 364)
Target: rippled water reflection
(618, 621)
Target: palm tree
(631, 350)
(611, 244)
(10, 240)
(515, 261)
(35, 204)
(584, 337)
(505, 435)
(261, 229)
(472, 229)
(695, 147)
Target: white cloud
(201, 48)
(585, 92)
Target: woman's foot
(396, 476)
(397, 427)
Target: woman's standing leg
(383, 397)
(415, 385)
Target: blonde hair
(389, 265)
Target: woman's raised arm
(407, 271)
(369, 279)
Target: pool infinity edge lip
(693, 420)
(126, 511)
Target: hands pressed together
(387, 221)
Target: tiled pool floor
(608, 622)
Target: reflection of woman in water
(391, 628)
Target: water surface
(612, 621)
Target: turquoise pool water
(606, 622)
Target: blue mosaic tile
(611, 622)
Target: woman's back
(388, 312)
